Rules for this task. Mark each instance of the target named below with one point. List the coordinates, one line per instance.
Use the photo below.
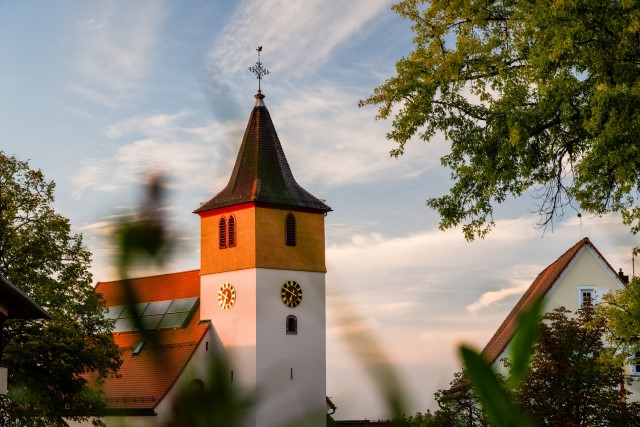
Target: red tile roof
(145, 378)
(540, 286)
(184, 284)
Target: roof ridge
(148, 277)
(580, 243)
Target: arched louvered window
(292, 325)
(231, 233)
(290, 230)
(222, 233)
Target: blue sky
(97, 94)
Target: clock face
(226, 296)
(291, 293)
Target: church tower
(263, 279)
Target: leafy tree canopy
(572, 381)
(46, 359)
(621, 313)
(569, 383)
(459, 405)
(541, 95)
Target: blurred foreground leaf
(523, 343)
(211, 403)
(495, 401)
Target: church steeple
(261, 172)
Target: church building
(258, 297)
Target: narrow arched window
(290, 230)
(231, 234)
(222, 233)
(292, 325)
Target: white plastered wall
(291, 368)
(263, 357)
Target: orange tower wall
(260, 240)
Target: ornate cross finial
(258, 69)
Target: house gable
(558, 284)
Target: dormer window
(290, 230)
(231, 232)
(222, 233)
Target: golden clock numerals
(291, 294)
(226, 296)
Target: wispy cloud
(492, 297)
(275, 24)
(154, 124)
(192, 154)
(93, 174)
(90, 25)
(349, 148)
(100, 228)
(115, 50)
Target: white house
(578, 276)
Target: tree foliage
(572, 381)
(569, 384)
(458, 405)
(46, 359)
(531, 95)
(621, 313)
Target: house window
(635, 366)
(586, 296)
(290, 230)
(292, 325)
(231, 234)
(222, 233)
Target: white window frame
(595, 295)
(635, 362)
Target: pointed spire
(261, 172)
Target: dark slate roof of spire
(261, 173)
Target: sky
(100, 94)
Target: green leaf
(492, 395)
(524, 341)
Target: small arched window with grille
(231, 233)
(292, 325)
(290, 230)
(222, 233)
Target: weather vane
(258, 69)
